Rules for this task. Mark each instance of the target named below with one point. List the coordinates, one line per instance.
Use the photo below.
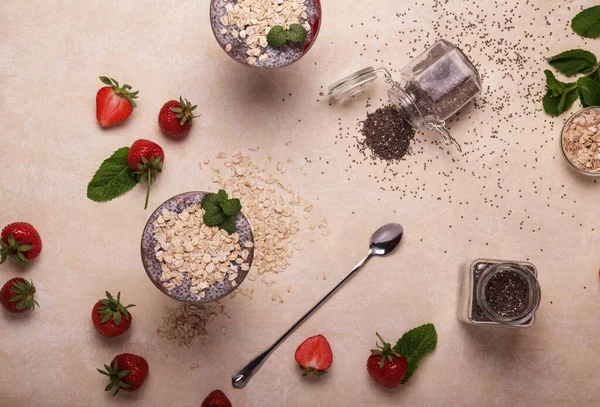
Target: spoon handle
(243, 376)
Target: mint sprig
(221, 211)
(278, 36)
(113, 178)
(574, 61)
(415, 344)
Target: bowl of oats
(580, 141)
(265, 33)
(190, 261)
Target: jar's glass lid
(351, 85)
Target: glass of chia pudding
(242, 28)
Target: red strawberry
(175, 118)
(126, 371)
(216, 399)
(146, 158)
(110, 317)
(17, 294)
(21, 241)
(314, 355)
(113, 103)
(385, 366)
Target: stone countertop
(510, 195)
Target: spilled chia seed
(386, 135)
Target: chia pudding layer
(260, 54)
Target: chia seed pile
(507, 293)
(386, 135)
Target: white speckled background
(509, 196)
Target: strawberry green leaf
(414, 344)
(231, 207)
(213, 218)
(113, 178)
(228, 224)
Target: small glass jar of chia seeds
(499, 293)
(433, 87)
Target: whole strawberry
(114, 103)
(175, 118)
(17, 296)
(126, 371)
(146, 158)
(314, 355)
(385, 366)
(21, 241)
(216, 399)
(110, 317)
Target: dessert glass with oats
(580, 141)
(241, 28)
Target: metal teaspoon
(383, 242)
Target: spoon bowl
(385, 239)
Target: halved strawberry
(314, 355)
(114, 103)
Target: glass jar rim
(534, 293)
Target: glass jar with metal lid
(432, 88)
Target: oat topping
(581, 141)
(186, 247)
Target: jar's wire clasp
(441, 128)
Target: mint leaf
(210, 201)
(231, 207)
(560, 95)
(222, 196)
(113, 178)
(276, 36)
(573, 62)
(228, 224)
(587, 23)
(414, 345)
(296, 33)
(557, 87)
(213, 218)
(589, 91)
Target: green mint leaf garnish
(276, 36)
(560, 96)
(210, 201)
(113, 178)
(297, 33)
(414, 345)
(573, 62)
(213, 218)
(228, 224)
(589, 90)
(587, 23)
(231, 207)
(222, 196)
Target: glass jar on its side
(432, 88)
(499, 293)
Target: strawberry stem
(148, 190)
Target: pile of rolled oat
(186, 247)
(581, 140)
(187, 324)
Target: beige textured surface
(51, 53)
